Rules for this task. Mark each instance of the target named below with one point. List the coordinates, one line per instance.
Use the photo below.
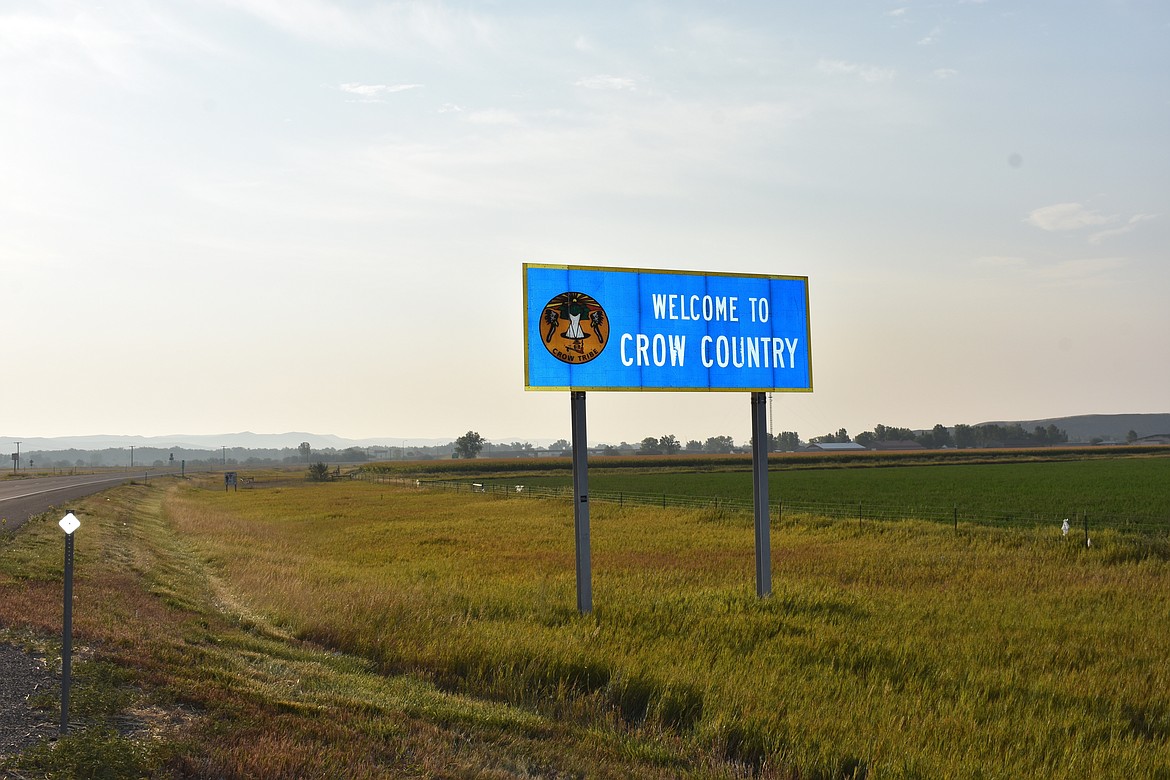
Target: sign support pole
(760, 494)
(581, 504)
(67, 639)
(68, 524)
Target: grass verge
(178, 675)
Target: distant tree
(942, 436)
(693, 445)
(964, 436)
(840, 437)
(1131, 437)
(786, 441)
(306, 450)
(719, 445)
(649, 446)
(891, 433)
(468, 445)
(669, 445)
(560, 445)
(936, 438)
(319, 471)
(609, 449)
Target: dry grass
(896, 651)
(214, 689)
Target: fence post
(956, 518)
(858, 515)
(1086, 516)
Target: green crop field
(1110, 491)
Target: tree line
(961, 436)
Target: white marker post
(68, 524)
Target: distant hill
(245, 439)
(1106, 427)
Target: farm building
(848, 446)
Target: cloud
(1129, 226)
(396, 26)
(898, 11)
(373, 90)
(85, 46)
(1074, 216)
(1067, 216)
(942, 74)
(870, 74)
(930, 37)
(603, 81)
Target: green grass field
(1111, 491)
(398, 632)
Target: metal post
(67, 638)
(581, 504)
(760, 494)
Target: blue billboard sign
(633, 329)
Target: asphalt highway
(20, 499)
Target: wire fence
(781, 511)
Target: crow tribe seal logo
(564, 325)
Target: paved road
(20, 499)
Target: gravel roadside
(23, 676)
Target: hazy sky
(277, 215)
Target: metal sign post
(760, 495)
(68, 524)
(581, 504)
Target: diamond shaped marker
(69, 523)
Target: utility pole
(16, 460)
(131, 456)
